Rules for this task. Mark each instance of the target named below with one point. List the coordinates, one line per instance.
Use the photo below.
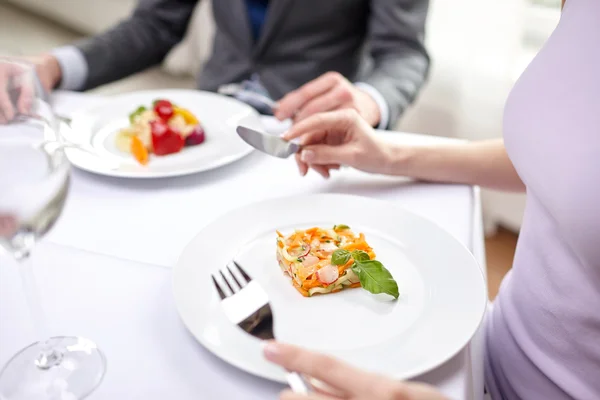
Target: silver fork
(246, 304)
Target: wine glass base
(77, 374)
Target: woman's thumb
(324, 154)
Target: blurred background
(478, 47)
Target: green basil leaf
(137, 112)
(375, 278)
(360, 255)
(340, 257)
(340, 227)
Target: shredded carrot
(138, 150)
(342, 268)
(360, 245)
(311, 231)
(280, 244)
(279, 233)
(313, 283)
(355, 285)
(302, 291)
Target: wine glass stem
(48, 356)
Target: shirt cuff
(73, 66)
(384, 110)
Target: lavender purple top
(543, 335)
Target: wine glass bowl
(34, 184)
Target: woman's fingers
(289, 395)
(322, 154)
(334, 373)
(322, 170)
(302, 166)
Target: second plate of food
(360, 279)
(159, 133)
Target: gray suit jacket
(379, 42)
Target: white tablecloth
(104, 270)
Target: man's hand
(328, 92)
(48, 70)
(8, 226)
(17, 84)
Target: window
(541, 17)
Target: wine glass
(34, 182)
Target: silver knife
(270, 144)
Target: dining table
(104, 271)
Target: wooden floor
(500, 251)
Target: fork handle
(298, 383)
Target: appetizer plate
(94, 130)
(442, 289)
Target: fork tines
(228, 282)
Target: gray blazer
(379, 42)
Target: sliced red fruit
(164, 109)
(164, 139)
(196, 137)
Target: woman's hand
(344, 138)
(344, 381)
(337, 138)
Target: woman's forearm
(483, 163)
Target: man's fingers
(25, 102)
(295, 100)
(339, 120)
(327, 101)
(331, 371)
(7, 111)
(8, 225)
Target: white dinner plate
(442, 290)
(95, 129)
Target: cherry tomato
(164, 109)
(164, 139)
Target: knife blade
(269, 144)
